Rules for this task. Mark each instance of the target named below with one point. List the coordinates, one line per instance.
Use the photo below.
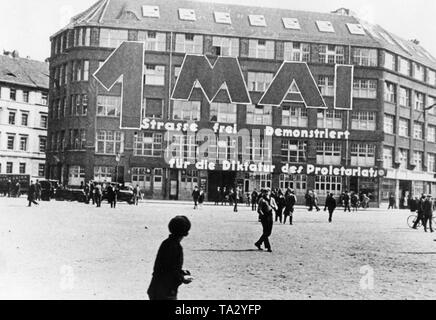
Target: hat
(180, 226)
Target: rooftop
(24, 72)
(338, 27)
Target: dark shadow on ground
(219, 250)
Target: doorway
(219, 179)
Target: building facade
(386, 127)
(24, 90)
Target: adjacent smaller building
(24, 87)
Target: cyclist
(419, 211)
(428, 213)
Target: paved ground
(63, 250)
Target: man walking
(290, 201)
(195, 197)
(98, 194)
(254, 200)
(419, 212)
(330, 204)
(346, 200)
(428, 213)
(391, 201)
(38, 190)
(136, 194)
(32, 194)
(266, 217)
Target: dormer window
(291, 23)
(355, 28)
(222, 17)
(325, 26)
(257, 20)
(150, 11)
(187, 14)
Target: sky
(26, 25)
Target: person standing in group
(280, 200)
(116, 193)
(92, 192)
(201, 198)
(365, 201)
(330, 204)
(235, 199)
(254, 200)
(419, 212)
(346, 201)
(18, 190)
(110, 194)
(428, 213)
(354, 201)
(38, 190)
(31, 196)
(315, 201)
(136, 195)
(391, 201)
(98, 193)
(195, 197)
(8, 188)
(168, 274)
(266, 217)
(309, 200)
(86, 190)
(290, 201)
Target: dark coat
(167, 273)
(330, 203)
(428, 208)
(195, 194)
(110, 194)
(254, 197)
(31, 193)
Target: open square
(66, 250)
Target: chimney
(15, 54)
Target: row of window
(404, 129)
(22, 168)
(75, 105)
(23, 120)
(404, 96)
(403, 159)
(409, 68)
(16, 142)
(25, 96)
(71, 139)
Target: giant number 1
(127, 61)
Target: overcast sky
(26, 25)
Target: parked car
(125, 194)
(70, 194)
(48, 189)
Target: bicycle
(411, 221)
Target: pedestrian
(391, 201)
(309, 200)
(315, 201)
(136, 195)
(217, 196)
(235, 199)
(330, 204)
(8, 188)
(254, 200)
(195, 197)
(110, 195)
(346, 201)
(230, 197)
(98, 195)
(266, 216)
(365, 201)
(354, 201)
(201, 198)
(31, 195)
(419, 212)
(168, 274)
(414, 204)
(116, 194)
(18, 190)
(290, 201)
(92, 192)
(38, 190)
(428, 213)
(280, 200)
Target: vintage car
(125, 194)
(71, 194)
(48, 189)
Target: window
(388, 157)
(297, 51)
(257, 20)
(261, 49)
(9, 167)
(328, 184)
(223, 112)
(150, 11)
(23, 143)
(418, 130)
(158, 178)
(11, 142)
(82, 139)
(108, 106)
(109, 142)
(365, 57)
(390, 92)
(331, 54)
(419, 101)
(222, 17)
(328, 153)
(418, 159)
(186, 110)
(44, 122)
(154, 41)
(326, 85)
(112, 38)
(366, 89)
(293, 116)
(103, 174)
(389, 124)
(257, 114)
(12, 117)
(390, 61)
(418, 72)
(154, 75)
(42, 144)
(13, 94)
(84, 104)
(148, 144)
(403, 157)
(291, 23)
(226, 47)
(431, 101)
(41, 170)
(24, 119)
(297, 182)
(325, 26)
(187, 14)
(22, 168)
(405, 97)
(26, 96)
(189, 43)
(294, 151)
(44, 98)
(431, 162)
(362, 155)
(363, 121)
(183, 147)
(76, 175)
(142, 178)
(431, 134)
(404, 66)
(431, 77)
(153, 108)
(355, 28)
(259, 81)
(403, 128)
(85, 70)
(260, 149)
(331, 119)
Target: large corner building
(389, 125)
